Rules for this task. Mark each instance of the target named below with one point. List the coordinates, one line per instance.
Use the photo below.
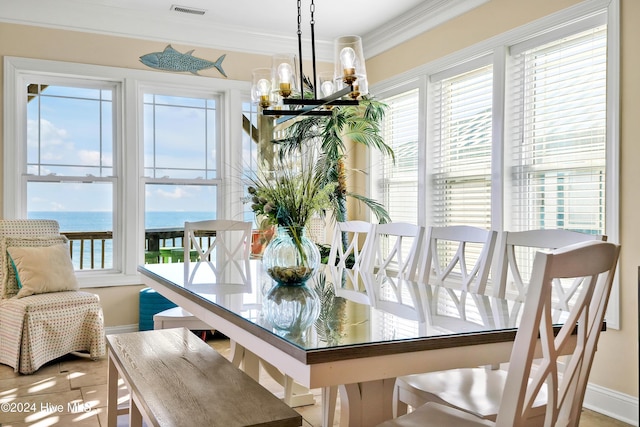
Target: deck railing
(83, 238)
(92, 249)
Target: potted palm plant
(359, 124)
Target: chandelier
(280, 90)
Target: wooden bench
(176, 379)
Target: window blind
(558, 133)
(397, 186)
(461, 149)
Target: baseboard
(120, 329)
(612, 404)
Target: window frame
(573, 19)
(128, 227)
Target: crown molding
(103, 18)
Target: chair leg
(399, 407)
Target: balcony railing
(93, 249)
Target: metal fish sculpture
(172, 60)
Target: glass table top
(351, 310)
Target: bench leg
(135, 417)
(112, 396)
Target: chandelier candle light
(280, 86)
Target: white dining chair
(456, 261)
(512, 268)
(458, 257)
(543, 393)
(395, 249)
(514, 259)
(350, 245)
(226, 254)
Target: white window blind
(558, 134)
(461, 149)
(397, 185)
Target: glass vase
(291, 310)
(291, 258)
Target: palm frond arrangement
(360, 124)
(291, 197)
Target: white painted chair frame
(229, 252)
(594, 264)
(237, 255)
(358, 238)
(508, 271)
(455, 272)
(357, 235)
(418, 389)
(397, 260)
(459, 275)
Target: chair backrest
(227, 253)
(395, 248)
(514, 259)
(350, 245)
(347, 250)
(458, 257)
(23, 232)
(594, 264)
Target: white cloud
(89, 157)
(53, 141)
(176, 193)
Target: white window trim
(128, 155)
(497, 47)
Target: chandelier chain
(312, 9)
(299, 17)
(300, 43)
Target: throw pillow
(9, 285)
(43, 269)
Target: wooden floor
(73, 392)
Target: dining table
(368, 328)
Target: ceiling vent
(185, 9)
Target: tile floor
(73, 392)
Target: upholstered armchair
(43, 315)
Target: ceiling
(254, 26)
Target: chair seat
(474, 390)
(436, 415)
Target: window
(70, 174)
(461, 149)
(181, 162)
(396, 180)
(558, 134)
(122, 152)
(519, 136)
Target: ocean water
(103, 221)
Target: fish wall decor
(172, 60)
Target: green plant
(291, 197)
(360, 124)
